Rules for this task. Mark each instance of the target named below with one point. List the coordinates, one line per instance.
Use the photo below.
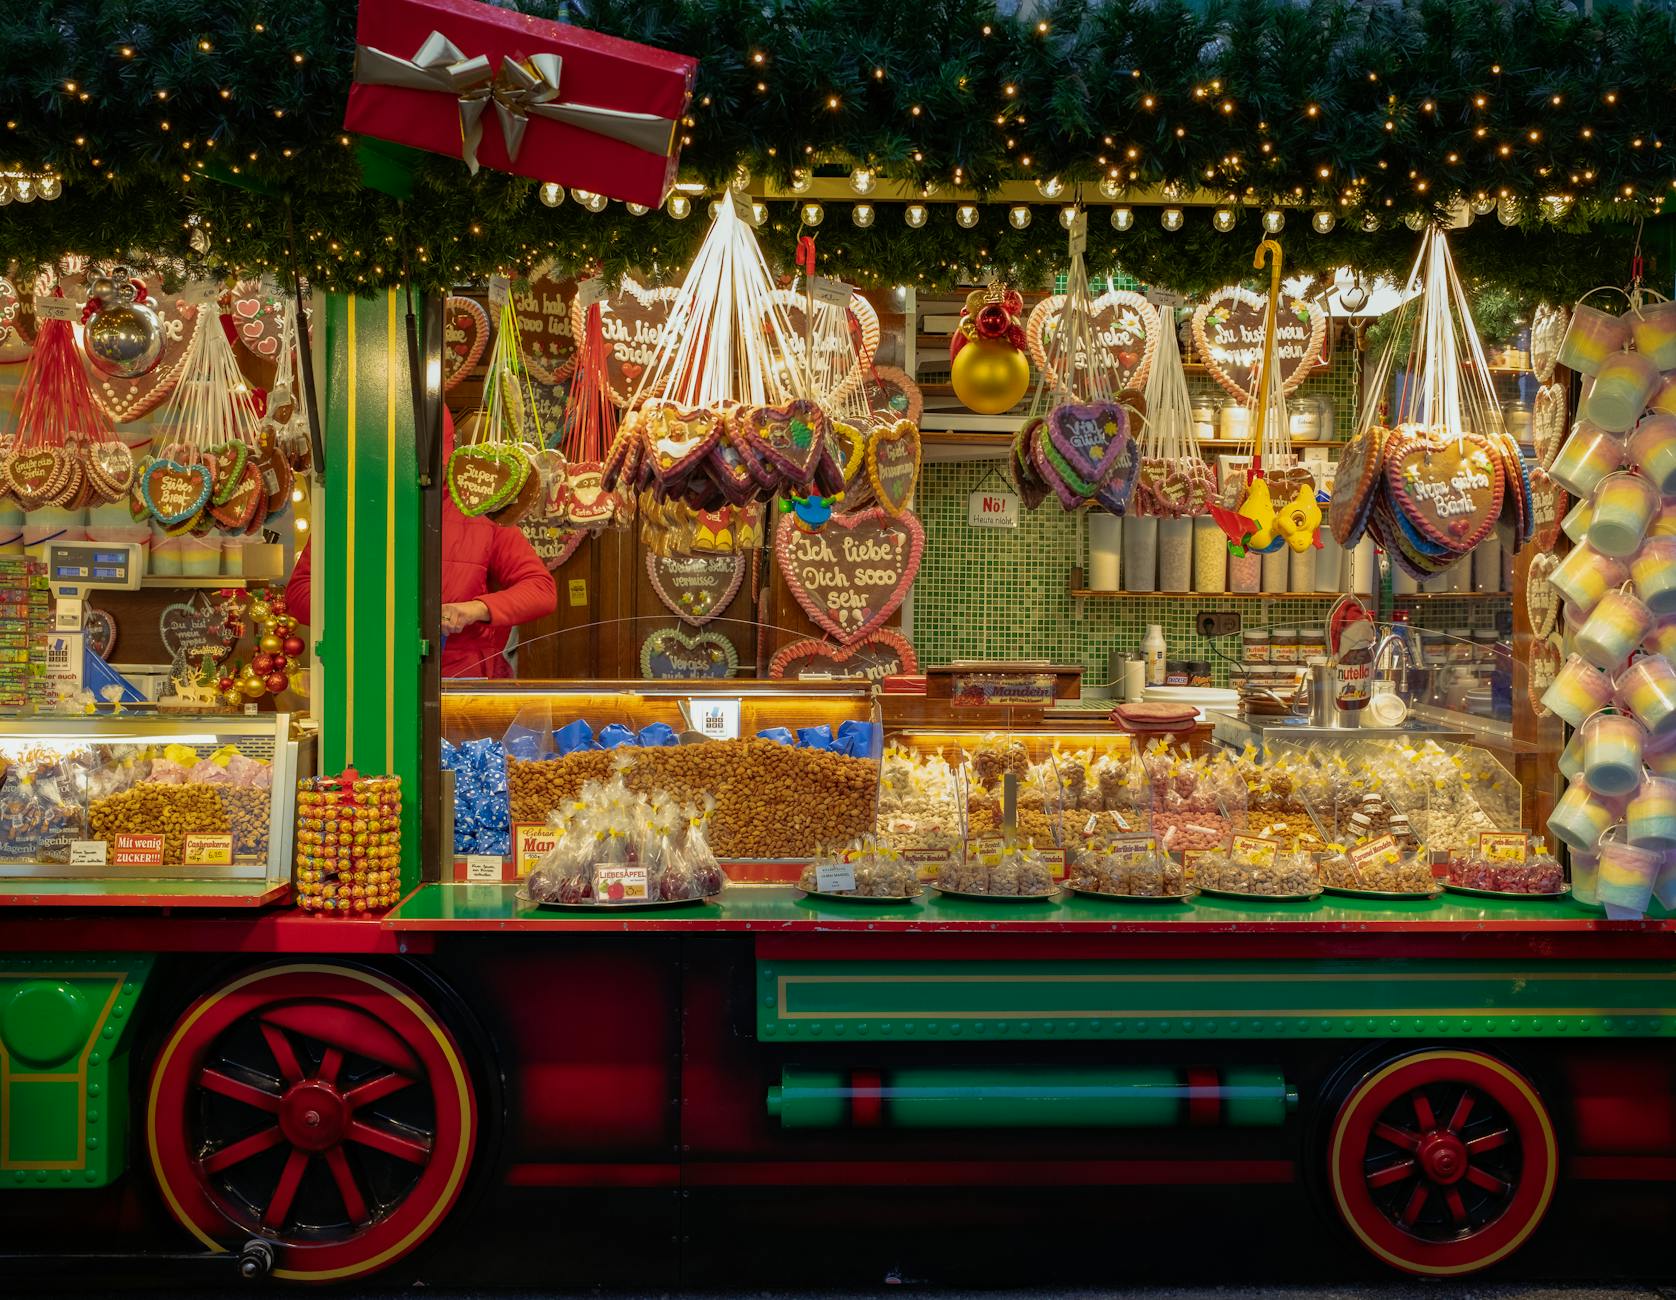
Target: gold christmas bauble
(233, 698)
(260, 611)
(270, 644)
(253, 687)
(990, 376)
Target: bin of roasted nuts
(349, 843)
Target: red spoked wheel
(1442, 1162)
(321, 1107)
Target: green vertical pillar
(366, 554)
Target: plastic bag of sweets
(482, 801)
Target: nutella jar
(1254, 645)
(1312, 644)
(1283, 646)
(1460, 645)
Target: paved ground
(1395, 1291)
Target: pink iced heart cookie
(1090, 437)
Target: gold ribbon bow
(522, 89)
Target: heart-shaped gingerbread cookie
(176, 494)
(893, 461)
(485, 476)
(1228, 330)
(678, 440)
(1089, 438)
(1450, 488)
(791, 436)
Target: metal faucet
(1400, 642)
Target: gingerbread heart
(1059, 476)
(109, 467)
(1125, 328)
(1228, 329)
(678, 440)
(880, 654)
(591, 506)
(228, 461)
(524, 502)
(1116, 493)
(485, 476)
(892, 394)
(1355, 479)
(465, 336)
(1089, 438)
(844, 337)
(671, 653)
(546, 324)
(175, 494)
(41, 476)
(1450, 488)
(627, 450)
(246, 499)
(696, 588)
(1032, 488)
(893, 461)
(635, 322)
(791, 436)
(852, 575)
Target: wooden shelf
(1084, 593)
(228, 581)
(1452, 595)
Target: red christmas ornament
(992, 321)
(225, 684)
(276, 682)
(294, 647)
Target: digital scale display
(91, 564)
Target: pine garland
(1391, 109)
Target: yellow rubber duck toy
(1298, 520)
(1258, 507)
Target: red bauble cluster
(996, 313)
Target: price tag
(834, 293)
(590, 291)
(532, 841)
(578, 592)
(714, 719)
(1503, 846)
(500, 290)
(1122, 822)
(743, 208)
(483, 868)
(927, 863)
(1257, 852)
(620, 884)
(87, 853)
(1079, 233)
(1165, 298)
(1055, 860)
(138, 851)
(207, 850)
(48, 308)
(1364, 854)
(835, 877)
(1089, 825)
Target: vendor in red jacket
(492, 580)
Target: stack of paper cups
(1140, 553)
(1105, 543)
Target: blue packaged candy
(856, 739)
(615, 736)
(779, 735)
(815, 737)
(575, 736)
(522, 743)
(482, 804)
(655, 735)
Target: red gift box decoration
(576, 107)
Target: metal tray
(892, 899)
(1260, 898)
(998, 898)
(1131, 898)
(1472, 892)
(1345, 892)
(523, 896)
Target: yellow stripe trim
(348, 666)
(390, 538)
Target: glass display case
(137, 799)
(782, 770)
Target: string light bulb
(800, 181)
(915, 215)
(1122, 219)
(552, 195)
(862, 215)
(679, 206)
(1223, 219)
(1050, 188)
(1274, 221)
(1170, 219)
(1018, 217)
(1509, 211)
(862, 180)
(966, 216)
(1322, 221)
(1110, 187)
(813, 214)
(1483, 205)
(1068, 215)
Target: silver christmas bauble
(124, 339)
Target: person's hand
(462, 615)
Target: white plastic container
(1277, 570)
(1487, 565)
(1364, 568)
(1175, 555)
(1140, 553)
(1105, 546)
(1301, 570)
(1210, 555)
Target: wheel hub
(313, 1115)
(1443, 1156)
